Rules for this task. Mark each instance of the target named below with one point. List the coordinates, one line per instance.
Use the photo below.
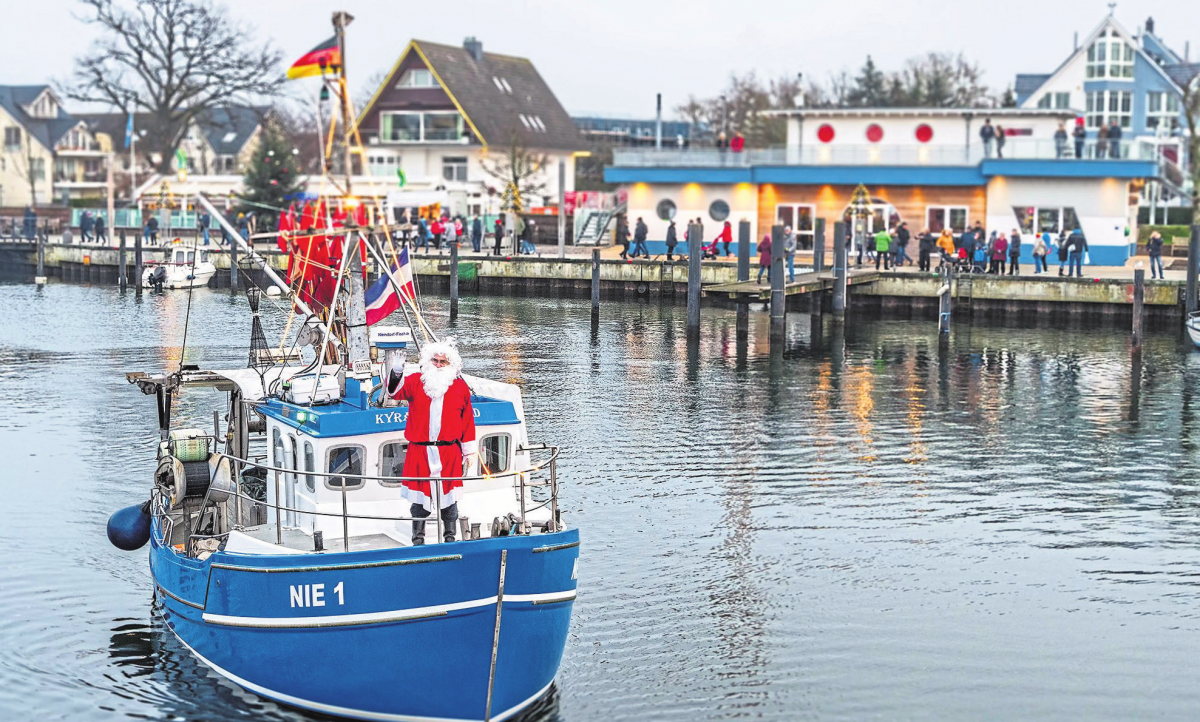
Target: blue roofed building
(47, 153)
(1134, 78)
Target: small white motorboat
(1193, 327)
(186, 266)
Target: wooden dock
(812, 282)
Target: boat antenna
(188, 315)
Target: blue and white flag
(382, 298)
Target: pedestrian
(967, 241)
(527, 246)
(1060, 141)
(437, 228)
(789, 252)
(883, 242)
(498, 230)
(1078, 246)
(243, 224)
(422, 234)
(151, 230)
(1114, 140)
(30, 223)
(459, 231)
(1000, 140)
(1155, 247)
(1063, 251)
(1014, 253)
(476, 232)
(672, 239)
(86, 224)
(623, 236)
(893, 247)
(725, 236)
(738, 144)
(1102, 142)
(997, 250)
(925, 245)
(1080, 136)
(101, 236)
(640, 231)
(945, 244)
(988, 135)
(202, 222)
(764, 258)
(1040, 249)
(902, 238)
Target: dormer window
(417, 78)
(44, 107)
(229, 137)
(1109, 57)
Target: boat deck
(297, 540)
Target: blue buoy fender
(129, 528)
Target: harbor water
(864, 524)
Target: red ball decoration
(874, 133)
(924, 133)
(825, 133)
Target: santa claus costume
(440, 431)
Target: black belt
(434, 443)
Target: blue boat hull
(395, 634)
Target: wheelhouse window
(310, 465)
(414, 127)
(495, 453)
(345, 460)
(277, 446)
(391, 462)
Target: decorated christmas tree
(272, 178)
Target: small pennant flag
(382, 298)
(316, 61)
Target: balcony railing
(886, 155)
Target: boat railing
(543, 474)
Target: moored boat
(186, 266)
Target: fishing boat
(281, 542)
(1193, 327)
(186, 266)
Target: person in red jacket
(440, 430)
(738, 144)
(764, 258)
(725, 236)
(437, 228)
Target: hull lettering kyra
(288, 523)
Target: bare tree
(298, 123)
(520, 170)
(1190, 82)
(173, 60)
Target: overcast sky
(613, 56)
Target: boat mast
(358, 351)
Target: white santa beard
(437, 380)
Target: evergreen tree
(1010, 98)
(869, 87)
(272, 177)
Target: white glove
(396, 363)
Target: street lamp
(860, 210)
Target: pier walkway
(810, 282)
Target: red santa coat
(449, 418)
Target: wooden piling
(122, 272)
(137, 260)
(596, 280)
(945, 300)
(777, 274)
(819, 245)
(1192, 262)
(1139, 298)
(743, 262)
(454, 280)
(839, 268)
(233, 266)
(693, 292)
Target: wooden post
(743, 268)
(1192, 261)
(693, 297)
(137, 259)
(839, 268)
(122, 274)
(596, 280)
(945, 299)
(40, 279)
(233, 266)
(562, 208)
(1139, 298)
(777, 274)
(819, 245)
(454, 280)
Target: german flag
(326, 55)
